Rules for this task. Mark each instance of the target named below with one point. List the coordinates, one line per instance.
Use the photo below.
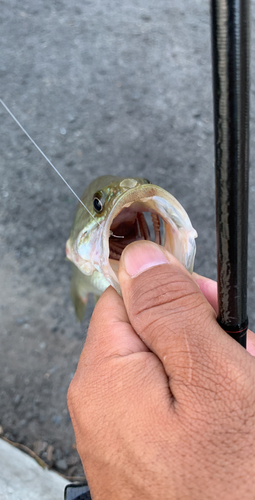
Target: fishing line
(51, 164)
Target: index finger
(110, 332)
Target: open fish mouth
(147, 213)
(131, 225)
(121, 211)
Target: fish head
(121, 211)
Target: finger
(251, 342)
(208, 288)
(116, 376)
(110, 340)
(110, 332)
(173, 318)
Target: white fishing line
(51, 164)
(46, 158)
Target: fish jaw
(91, 251)
(86, 253)
(179, 233)
(183, 247)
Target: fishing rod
(230, 56)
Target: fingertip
(251, 342)
(140, 257)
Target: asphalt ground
(104, 87)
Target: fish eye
(98, 200)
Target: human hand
(163, 400)
(209, 289)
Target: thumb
(168, 311)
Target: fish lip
(134, 194)
(152, 194)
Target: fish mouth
(147, 213)
(131, 224)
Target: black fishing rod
(230, 52)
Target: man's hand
(163, 400)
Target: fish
(121, 210)
(112, 214)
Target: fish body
(120, 211)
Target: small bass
(122, 210)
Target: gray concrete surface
(103, 86)
(22, 478)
